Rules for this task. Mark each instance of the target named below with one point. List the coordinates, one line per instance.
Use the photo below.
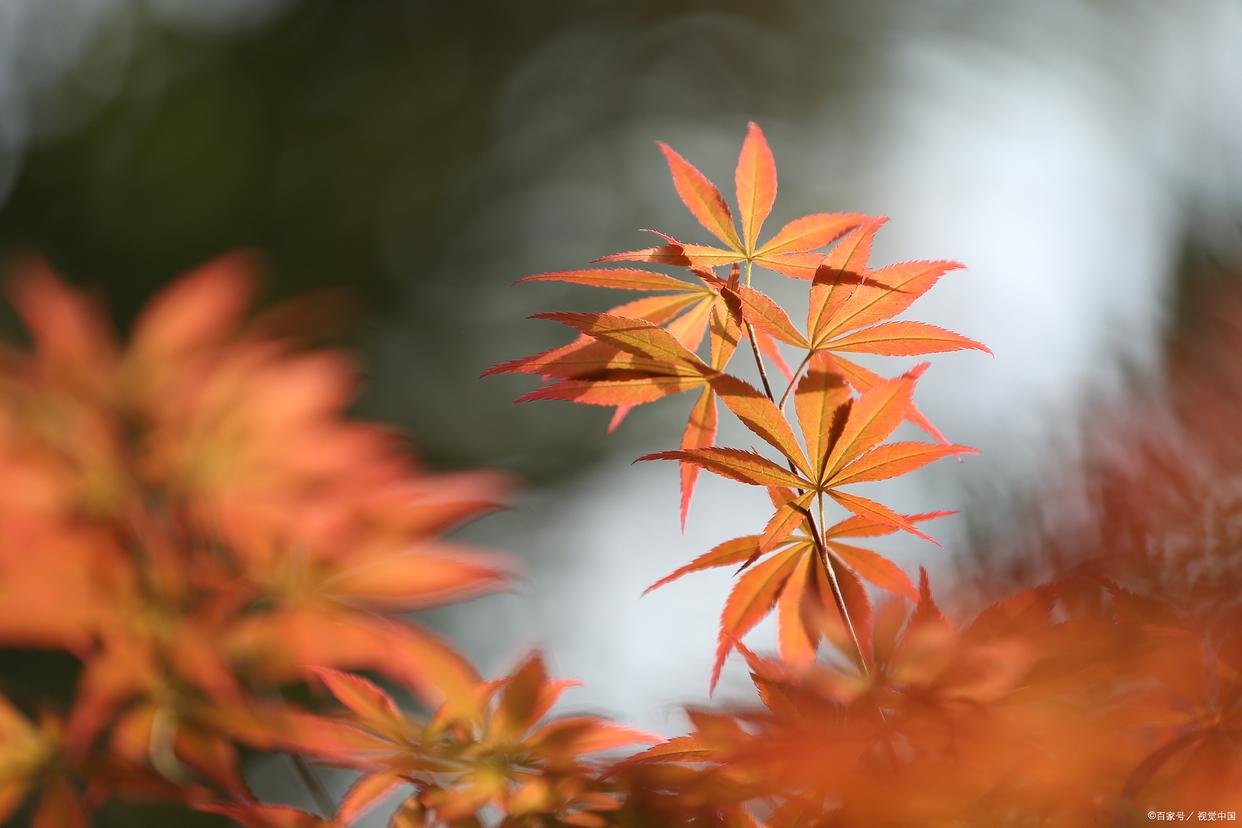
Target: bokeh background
(406, 161)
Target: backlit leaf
(839, 276)
(724, 554)
(761, 416)
(751, 599)
(634, 336)
(701, 197)
(875, 568)
(878, 512)
(762, 312)
(885, 293)
(743, 466)
(820, 400)
(700, 433)
(809, 233)
(892, 460)
(797, 645)
(873, 416)
(756, 184)
(619, 279)
(787, 519)
(903, 339)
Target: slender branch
(837, 596)
(793, 380)
(763, 372)
(313, 786)
(754, 344)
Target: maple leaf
(29, 759)
(609, 365)
(599, 369)
(788, 252)
(492, 746)
(593, 369)
(689, 780)
(210, 525)
(849, 303)
(794, 580)
(843, 437)
(845, 433)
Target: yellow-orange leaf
(751, 599)
(362, 697)
(700, 433)
(525, 697)
(761, 311)
(635, 336)
(761, 416)
(736, 464)
(620, 279)
(809, 233)
(418, 578)
(820, 401)
(623, 389)
(864, 379)
(724, 554)
(756, 184)
(578, 735)
(793, 265)
(873, 416)
(857, 526)
(726, 332)
(785, 521)
(840, 274)
(198, 309)
(825, 612)
(701, 197)
(892, 460)
(562, 361)
(885, 293)
(904, 339)
(877, 512)
(797, 644)
(678, 255)
(690, 327)
(875, 568)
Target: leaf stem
(793, 380)
(820, 548)
(763, 372)
(754, 346)
(837, 594)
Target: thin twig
(837, 594)
(313, 786)
(793, 380)
(763, 372)
(820, 547)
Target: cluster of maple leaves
(642, 351)
(1088, 692)
(192, 517)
